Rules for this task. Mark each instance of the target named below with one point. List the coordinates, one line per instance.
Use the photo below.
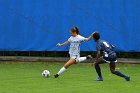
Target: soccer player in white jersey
(74, 51)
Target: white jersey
(75, 44)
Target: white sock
(81, 59)
(61, 70)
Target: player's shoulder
(79, 36)
(102, 41)
(70, 38)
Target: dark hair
(96, 36)
(75, 29)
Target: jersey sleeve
(82, 38)
(98, 47)
(112, 46)
(69, 39)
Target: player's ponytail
(75, 29)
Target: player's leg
(82, 59)
(98, 69)
(63, 69)
(112, 69)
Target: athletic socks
(127, 78)
(81, 59)
(63, 69)
(119, 74)
(98, 70)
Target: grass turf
(26, 78)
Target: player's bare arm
(65, 43)
(89, 38)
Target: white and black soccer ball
(46, 73)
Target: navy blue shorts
(110, 58)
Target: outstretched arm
(90, 37)
(65, 43)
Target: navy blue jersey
(108, 50)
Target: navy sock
(98, 70)
(119, 74)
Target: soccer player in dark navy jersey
(106, 54)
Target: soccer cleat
(89, 57)
(127, 78)
(56, 76)
(99, 79)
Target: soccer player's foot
(99, 79)
(127, 78)
(56, 76)
(89, 57)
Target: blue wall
(40, 24)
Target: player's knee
(112, 71)
(96, 63)
(75, 62)
(66, 66)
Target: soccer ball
(46, 73)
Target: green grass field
(79, 78)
